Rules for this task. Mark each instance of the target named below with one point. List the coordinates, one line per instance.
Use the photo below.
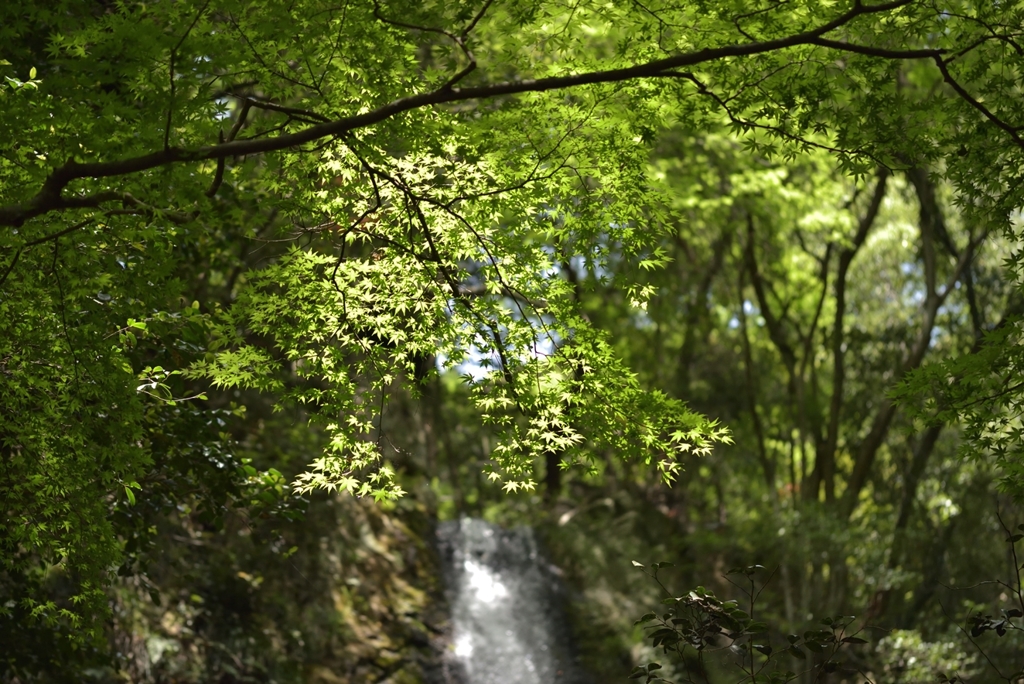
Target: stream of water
(506, 601)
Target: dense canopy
(218, 214)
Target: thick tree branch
(50, 198)
(871, 51)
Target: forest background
(718, 284)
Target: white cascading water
(507, 621)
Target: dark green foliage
(699, 630)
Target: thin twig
(174, 55)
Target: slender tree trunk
(552, 476)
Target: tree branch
(772, 322)
(1012, 131)
(929, 215)
(49, 198)
(767, 463)
(824, 465)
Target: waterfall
(506, 608)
